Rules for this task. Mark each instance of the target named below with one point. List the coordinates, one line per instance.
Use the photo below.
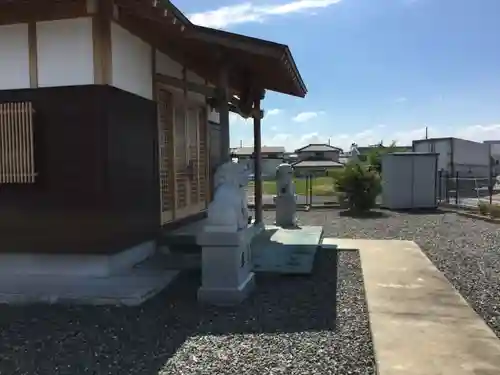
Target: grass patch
(322, 186)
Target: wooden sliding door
(166, 142)
(183, 146)
(191, 171)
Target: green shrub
(359, 186)
(483, 208)
(494, 210)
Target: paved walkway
(420, 324)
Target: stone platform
(287, 251)
(126, 278)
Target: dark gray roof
(318, 147)
(247, 151)
(317, 164)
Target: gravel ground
(466, 250)
(289, 326)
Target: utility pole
(426, 133)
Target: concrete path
(420, 324)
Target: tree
(359, 185)
(374, 157)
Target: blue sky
(375, 69)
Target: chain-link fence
(311, 190)
(467, 191)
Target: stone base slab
(227, 296)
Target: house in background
(317, 158)
(271, 158)
(112, 115)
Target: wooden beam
(223, 101)
(33, 54)
(14, 12)
(190, 86)
(101, 38)
(153, 72)
(257, 149)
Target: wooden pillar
(224, 115)
(257, 143)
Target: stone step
(127, 288)
(287, 251)
(166, 259)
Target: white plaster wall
(167, 66)
(132, 65)
(193, 77)
(14, 57)
(65, 52)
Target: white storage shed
(409, 180)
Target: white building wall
(470, 153)
(14, 57)
(132, 62)
(65, 58)
(65, 52)
(439, 146)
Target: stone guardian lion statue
(228, 211)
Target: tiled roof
(317, 164)
(246, 151)
(318, 147)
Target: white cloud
(371, 136)
(273, 112)
(305, 116)
(235, 119)
(248, 12)
(401, 99)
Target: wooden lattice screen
(194, 154)
(17, 159)
(166, 141)
(203, 158)
(181, 176)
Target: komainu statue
(228, 211)
(284, 180)
(286, 206)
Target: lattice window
(180, 158)
(17, 159)
(165, 136)
(193, 154)
(203, 162)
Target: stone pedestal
(286, 211)
(226, 268)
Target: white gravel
(288, 326)
(466, 250)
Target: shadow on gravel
(364, 215)
(421, 211)
(76, 340)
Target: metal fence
(311, 190)
(467, 191)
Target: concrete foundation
(74, 264)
